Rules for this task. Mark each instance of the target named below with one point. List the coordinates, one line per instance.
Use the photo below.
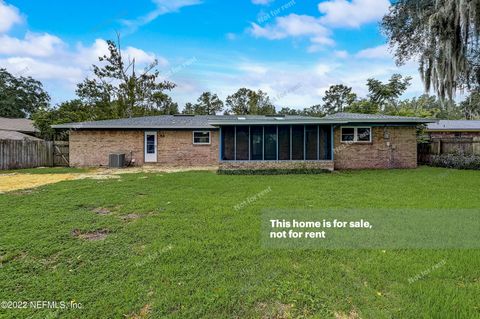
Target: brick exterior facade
(175, 148)
(328, 165)
(391, 147)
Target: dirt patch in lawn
(17, 181)
(130, 217)
(143, 313)
(352, 315)
(99, 234)
(275, 310)
(101, 211)
(10, 182)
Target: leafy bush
(459, 161)
(271, 171)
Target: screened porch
(276, 143)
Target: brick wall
(175, 148)
(391, 147)
(277, 165)
(91, 148)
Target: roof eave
(123, 127)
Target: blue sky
(292, 49)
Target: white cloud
(379, 52)
(262, 2)
(162, 7)
(342, 54)
(42, 70)
(41, 45)
(352, 14)
(253, 68)
(9, 16)
(294, 25)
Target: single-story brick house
(338, 141)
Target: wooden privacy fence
(437, 146)
(30, 154)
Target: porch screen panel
(311, 142)
(325, 142)
(242, 143)
(256, 147)
(297, 142)
(284, 142)
(228, 143)
(270, 143)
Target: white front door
(150, 147)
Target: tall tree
(288, 111)
(21, 96)
(118, 85)
(386, 95)
(471, 106)
(337, 98)
(443, 36)
(314, 110)
(246, 101)
(208, 104)
(66, 112)
(188, 109)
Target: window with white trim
(201, 137)
(356, 134)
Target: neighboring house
(339, 141)
(454, 136)
(451, 129)
(17, 129)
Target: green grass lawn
(187, 253)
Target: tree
(125, 93)
(246, 101)
(21, 96)
(288, 111)
(66, 112)
(188, 109)
(208, 104)
(443, 36)
(386, 95)
(337, 98)
(365, 106)
(471, 106)
(314, 110)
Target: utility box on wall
(116, 160)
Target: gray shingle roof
(213, 121)
(455, 125)
(14, 135)
(374, 117)
(20, 125)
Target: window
(150, 144)
(356, 134)
(363, 134)
(200, 137)
(348, 134)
